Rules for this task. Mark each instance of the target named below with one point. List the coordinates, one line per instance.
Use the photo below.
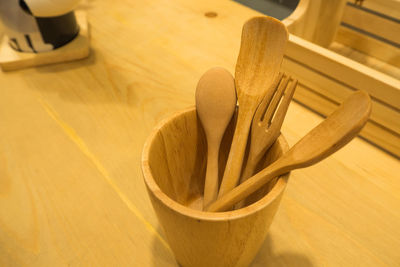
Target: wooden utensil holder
(173, 164)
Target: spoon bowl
(215, 105)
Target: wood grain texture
(72, 134)
(77, 49)
(332, 89)
(345, 70)
(384, 62)
(334, 76)
(316, 21)
(381, 136)
(327, 21)
(371, 47)
(387, 7)
(330, 75)
(377, 25)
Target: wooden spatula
(329, 136)
(261, 53)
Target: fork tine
(267, 99)
(283, 107)
(275, 101)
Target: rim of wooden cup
(279, 186)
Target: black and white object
(39, 25)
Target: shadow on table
(266, 257)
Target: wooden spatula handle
(236, 154)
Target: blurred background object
(279, 9)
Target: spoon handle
(236, 154)
(211, 182)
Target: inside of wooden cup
(177, 160)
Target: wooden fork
(267, 122)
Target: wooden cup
(173, 165)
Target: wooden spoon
(329, 136)
(215, 104)
(261, 53)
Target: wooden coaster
(76, 49)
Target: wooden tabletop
(71, 136)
